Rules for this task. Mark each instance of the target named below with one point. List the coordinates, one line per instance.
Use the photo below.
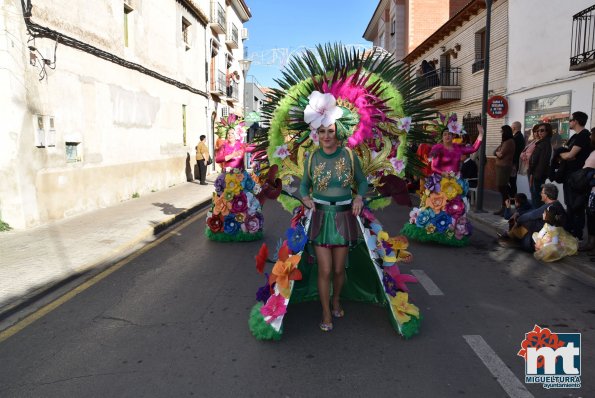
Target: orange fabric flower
(285, 269)
(436, 201)
(221, 206)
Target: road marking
(509, 382)
(427, 283)
(46, 309)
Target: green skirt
(333, 225)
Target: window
(72, 152)
(480, 50)
(127, 21)
(186, 33)
(39, 131)
(393, 28)
(51, 134)
(224, 111)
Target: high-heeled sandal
(326, 327)
(338, 314)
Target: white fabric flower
(322, 110)
(404, 124)
(454, 127)
(281, 152)
(399, 165)
(314, 137)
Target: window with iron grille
(582, 43)
(186, 33)
(470, 122)
(480, 51)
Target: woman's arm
(306, 184)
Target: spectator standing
(504, 163)
(469, 170)
(202, 157)
(519, 146)
(579, 148)
(539, 163)
(528, 151)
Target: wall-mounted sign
(497, 106)
(253, 117)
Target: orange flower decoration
(285, 269)
(261, 258)
(436, 201)
(221, 206)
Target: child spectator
(553, 242)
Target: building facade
(102, 101)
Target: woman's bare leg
(339, 258)
(324, 259)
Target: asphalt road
(173, 323)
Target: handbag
(210, 161)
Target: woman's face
(231, 137)
(447, 137)
(328, 136)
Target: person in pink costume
(446, 156)
(231, 153)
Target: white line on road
(509, 382)
(427, 283)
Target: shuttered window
(480, 48)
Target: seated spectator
(516, 207)
(552, 242)
(520, 235)
(469, 170)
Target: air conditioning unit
(244, 33)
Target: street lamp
(244, 66)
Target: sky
(279, 27)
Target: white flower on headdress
(281, 152)
(404, 124)
(314, 137)
(322, 110)
(454, 127)
(399, 165)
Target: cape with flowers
(373, 103)
(442, 213)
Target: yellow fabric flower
(430, 228)
(436, 201)
(402, 308)
(450, 188)
(400, 245)
(233, 184)
(221, 206)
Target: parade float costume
(372, 102)
(553, 243)
(441, 215)
(236, 211)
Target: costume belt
(344, 205)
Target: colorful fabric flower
(432, 182)
(390, 287)
(464, 185)
(220, 184)
(398, 164)
(436, 201)
(239, 204)
(442, 221)
(252, 202)
(322, 110)
(413, 215)
(215, 223)
(430, 228)
(240, 217)
(402, 308)
(274, 307)
(296, 238)
(261, 258)
(461, 227)
(450, 187)
(454, 127)
(285, 269)
(271, 186)
(400, 280)
(264, 292)
(315, 137)
(230, 225)
(424, 217)
(298, 213)
(404, 123)
(253, 223)
(281, 152)
(228, 195)
(247, 182)
(233, 183)
(221, 206)
(455, 208)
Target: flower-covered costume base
(553, 243)
(442, 214)
(364, 96)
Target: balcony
(233, 91)
(582, 43)
(218, 22)
(231, 38)
(218, 86)
(477, 66)
(441, 86)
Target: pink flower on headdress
(322, 110)
(404, 124)
(314, 137)
(281, 151)
(454, 127)
(399, 165)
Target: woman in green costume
(326, 189)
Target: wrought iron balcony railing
(443, 77)
(582, 43)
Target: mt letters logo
(552, 359)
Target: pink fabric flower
(399, 165)
(413, 215)
(455, 207)
(239, 204)
(314, 137)
(252, 223)
(454, 127)
(404, 124)
(275, 307)
(281, 151)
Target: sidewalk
(580, 266)
(33, 261)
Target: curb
(98, 266)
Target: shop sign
(497, 106)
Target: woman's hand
(308, 202)
(480, 132)
(357, 205)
